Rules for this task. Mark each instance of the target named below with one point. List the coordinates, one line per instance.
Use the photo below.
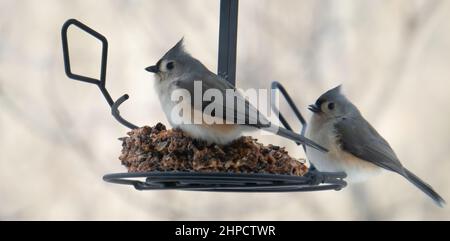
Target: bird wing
(248, 115)
(212, 81)
(359, 138)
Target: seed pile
(157, 149)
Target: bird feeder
(312, 180)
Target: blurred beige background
(58, 137)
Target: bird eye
(331, 106)
(170, 65)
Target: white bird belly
(219, 134)
(336, 159)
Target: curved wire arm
(278, 86)
(115, 112)
(101, 83)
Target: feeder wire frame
(101, 83)
(194, 181)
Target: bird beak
(314, 108)
(153, 69)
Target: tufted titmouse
(355, 147)
(178, 70)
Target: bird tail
(426, 188)
(296, 137)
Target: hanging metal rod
(228, 39)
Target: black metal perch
(193, 181)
